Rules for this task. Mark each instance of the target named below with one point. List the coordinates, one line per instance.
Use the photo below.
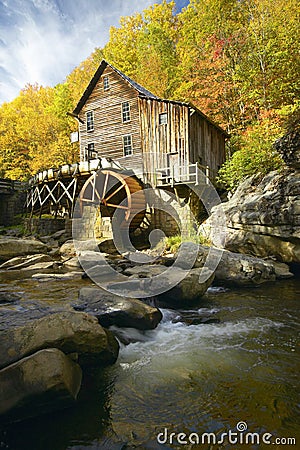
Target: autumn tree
(144, 47)
(35, 131)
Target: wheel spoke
(117, 206)
(105, 185)
(117, 190)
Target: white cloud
(43, 40)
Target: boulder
(55, 239)
(40, 266)
(10, 248)
(263, 217)
(13, 261)
(176, 285)
(67, 250)
(60, 234)
(54, 252)
(18, 314)
(112, 309)
(45, 381)
(108, 246)
(130, 287)
(73, 248)
(70, 332)
(242, 270)
(235, 268)
(91, 259)
(25, 261)
(100, 273)
(193, 285)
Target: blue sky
(43, 40)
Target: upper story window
(125, 112)
(127, 145)
(163, 119)
(90, 121)
(105, 83)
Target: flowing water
(181, 378)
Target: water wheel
(116, 192)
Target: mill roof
(140, 89)
(143, 93)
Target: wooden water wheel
(116, 192)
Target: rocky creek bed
(198, 340)
(230, 356)
(46, 346)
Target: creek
(240, 366)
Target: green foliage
(173, 243)
(256, 154)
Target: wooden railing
(186, 174)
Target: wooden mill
(135, 139)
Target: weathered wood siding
(161, 140)
(207, 143)
(109, 128)
(185, 138)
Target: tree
(256, 154)
(144, 47)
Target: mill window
(125, 112)
(90, 121)
(163, 119)
(91, 154)
(105, 83)
(127, 145)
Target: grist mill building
(121, 120)
(133, 139)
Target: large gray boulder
(234, 268)
(177, 285)
(40, 383)
(112, 309)
(10, 248)
(72, 247)
(263, 218)
(70, 332)
(193, 285)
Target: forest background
(236, 60)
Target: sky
(41, 41)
